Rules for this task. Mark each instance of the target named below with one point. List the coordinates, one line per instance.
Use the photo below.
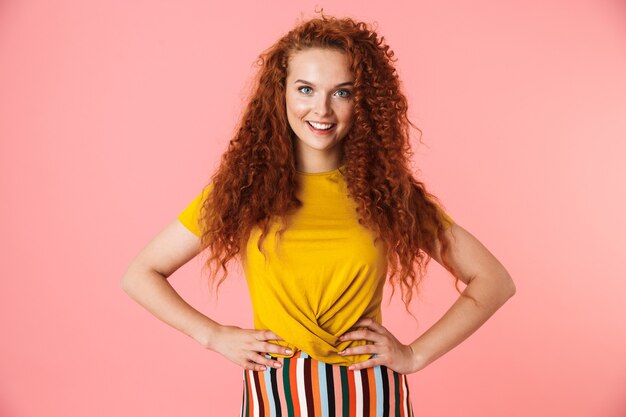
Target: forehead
(319, 64)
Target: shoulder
(190, 216)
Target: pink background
(113, 115)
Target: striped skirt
(305, 387)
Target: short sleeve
(445, 218)
(190, 216)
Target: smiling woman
(314, 196)
(320, 106)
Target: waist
(298, 354)
(307, 348)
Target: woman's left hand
(389, 351)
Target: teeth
(321, 126)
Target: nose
(322, 106)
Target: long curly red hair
(256, 180)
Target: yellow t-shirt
(324, 275)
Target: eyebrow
(347, 83)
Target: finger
(256, 367)
(266, 335)
(359, 350)
(370, 324)
(362, 334)
(274, 348)
(365, 364)
(265, 361)
(262, 362)
(252, 366)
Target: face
(319, 102)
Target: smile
(320, 127)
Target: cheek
(347, 114)
(294, 112)
(298, 108)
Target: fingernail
(288, 351)
(277, 364)
(342, 352)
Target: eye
(305, 89)
(344, 93)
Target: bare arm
(487, 281)
(145, 281)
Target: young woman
(314, 196)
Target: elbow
(511, 292)
(509, 285)
(504, 282)
(127, 282)
(513, 288)
(137, 278)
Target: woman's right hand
(146, 282)
(247, 347)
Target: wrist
(419, 360)
(207, 334)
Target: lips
(320, 126)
